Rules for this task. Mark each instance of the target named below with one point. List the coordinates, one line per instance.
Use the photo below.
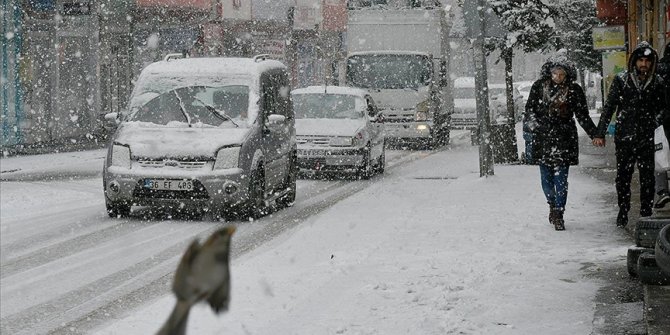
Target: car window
(328, 106)
(197, 105)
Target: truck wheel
(632, 257)
(117, 209)
(649, 272)
(662, 250)
(646, 230)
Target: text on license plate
(169, 184)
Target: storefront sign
(307, 15)
(609, 38)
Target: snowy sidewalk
(430, 248)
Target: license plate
(169, 184)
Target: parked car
(213, 132)
(465, 111)
(339, 129)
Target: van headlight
(341, 141)
(227, 158)
(421, 111)
(121, 156)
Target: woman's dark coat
(554, 137)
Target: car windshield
(389, 71)
(219, 106)
(327, 106)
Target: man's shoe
(663, 199)
(622, 219)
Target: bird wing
(180, 286)
(220, 298)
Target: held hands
(599, 141)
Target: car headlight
(341, 141)
(358, 140)
(421, 111)
(227, 158)
(121, 156)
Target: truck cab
(400, 56)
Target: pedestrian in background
(553, 103)
(638, 97)
(663, 70)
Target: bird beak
(231, 230)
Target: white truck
(401, 55)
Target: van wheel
(255, 206)
(291, 179)
(117, 209)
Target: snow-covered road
(429, 248)
(64, 260)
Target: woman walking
(555, 100)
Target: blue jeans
(555, 184)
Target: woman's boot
(558, 222)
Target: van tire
(646, 230)
(291, 183)
(255, 205)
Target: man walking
(638, 97)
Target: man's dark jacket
(640, 106)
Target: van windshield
(327, 106)
(216, 106)
(389, 71)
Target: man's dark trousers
(627, 154)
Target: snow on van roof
(212, 65)
(389, 52)
(330, 90)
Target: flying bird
(203, 274)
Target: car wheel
(291, 180)
(255, 206)
(365, 171)
(646, 231)
(381, 164)
(662, 250)
(631, 259)
(117, 209)
(649, 272)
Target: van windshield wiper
(216, 112)
(183, 109)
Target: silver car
(339, 129)
(213, 133)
